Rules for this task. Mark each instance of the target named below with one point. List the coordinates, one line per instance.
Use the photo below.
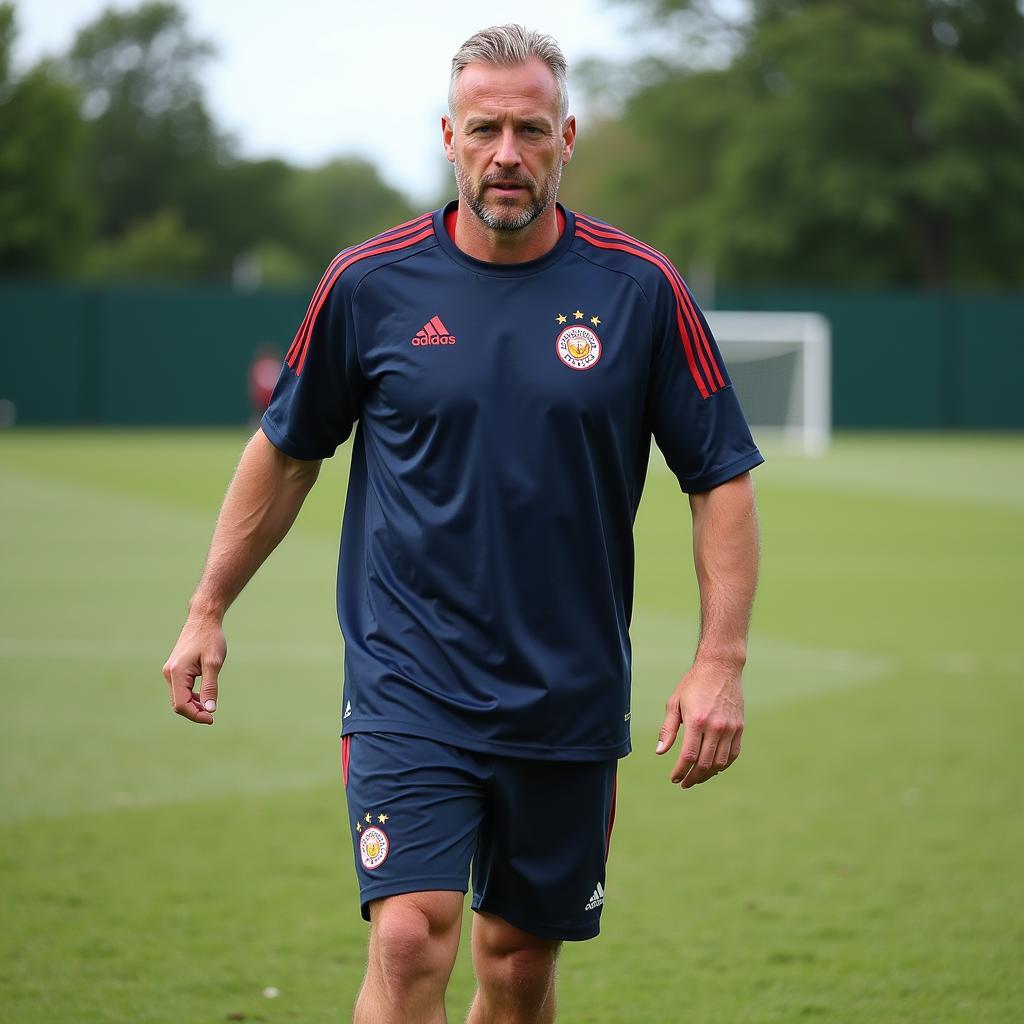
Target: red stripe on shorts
(611, 818)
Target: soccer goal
(780, 364)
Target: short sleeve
(317, 397)
(692, 410)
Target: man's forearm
(260, 506)
(725, 553)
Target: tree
(153, 143)
(159, 248)
(338, 204)
(854, 141)
(44, 212)
(237, 204)
(163, 174)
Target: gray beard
(498, 221)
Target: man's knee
(414, 938)
(528, 970)
(510, 960)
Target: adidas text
(434, 332)
(437, 339)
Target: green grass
(860, 863)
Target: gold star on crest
(369, 818)
(578, 314)
(359, 826)
(382, 818)
(595, 320)
(561, 318)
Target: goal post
(781, 367)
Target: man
(507, 363)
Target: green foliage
(275, 264)
(153, 148)
(819, 141)
(339, 204)
(852, 142)
(44, 214)
(153, 142)
(159, 248)
(234, 204)
(306, 215)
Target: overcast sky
(309, 79)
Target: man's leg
(515, 974)
(413, 942)
(414, 810)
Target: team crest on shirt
(374, 845)
(577, 344)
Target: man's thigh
(540, 861)
(415, 808)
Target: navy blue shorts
(536, 832)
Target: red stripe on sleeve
(684, 331)
(708, 361)
(297, 357)
(394, 232)
(409, 227)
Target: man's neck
(475, 239)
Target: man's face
(507, 142)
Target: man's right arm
(258, 510)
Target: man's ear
(448, 136)
(568, 138)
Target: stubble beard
(512, 220)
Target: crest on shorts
(577, 344)
(374, 844)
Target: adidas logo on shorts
(596, 899)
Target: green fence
(180, 355)
(913, 360)
(136, 355)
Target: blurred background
(842, 184)
(862, 160)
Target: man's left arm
(708, 701)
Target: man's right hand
(198, 654)
(262, 502)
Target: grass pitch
(860, 863)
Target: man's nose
(508, 151)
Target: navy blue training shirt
(505, 415)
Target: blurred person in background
(264, 370)
(507, 362)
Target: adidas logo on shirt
(348, 709)
(596, 898)
(434, 332)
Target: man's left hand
(709, 703)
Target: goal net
(780, 364)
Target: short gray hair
(507, 46)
